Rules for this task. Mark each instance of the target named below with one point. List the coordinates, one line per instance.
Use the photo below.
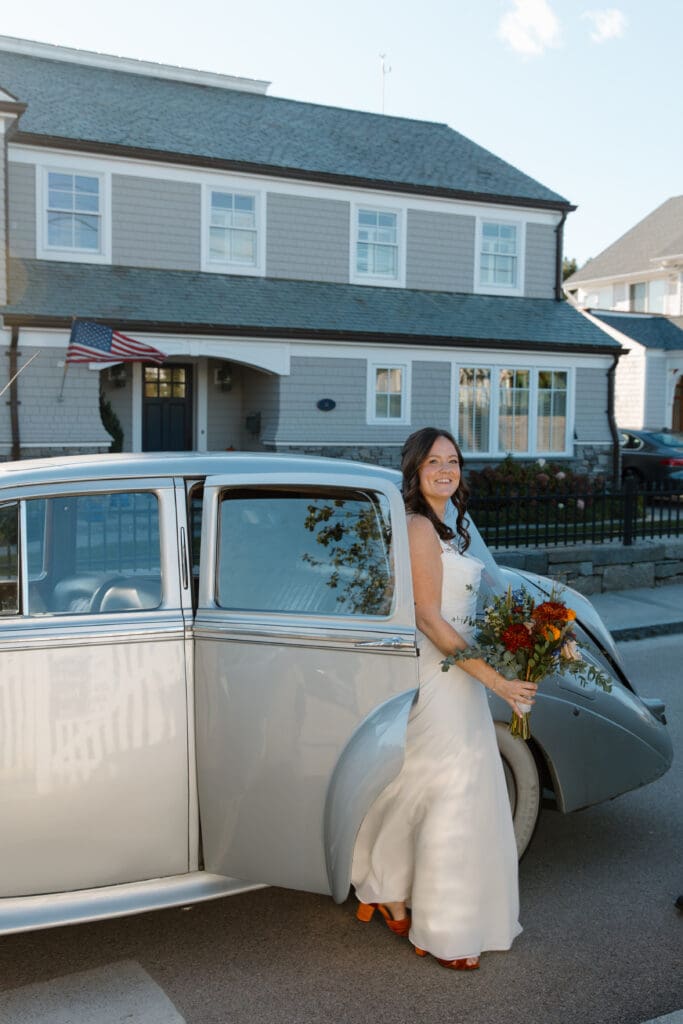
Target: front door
(677, 417)
(305, 670)
(167, 408)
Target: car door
(93, 708)
(305, 670)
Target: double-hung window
(499, 263)
(376, 253)
(517, 410)
(474, 408)
(233, 230)
(513, 410)
(73, 224)
(388, 398)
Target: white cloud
(530, 28)
(609, 23)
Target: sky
(582, 96)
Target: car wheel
(523, 785)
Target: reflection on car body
(652, 456)
(208, 665)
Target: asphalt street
(602, 942)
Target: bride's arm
(427, 572)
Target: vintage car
(208, 663)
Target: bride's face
(439, 474)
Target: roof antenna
(386, 69)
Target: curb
(642, 632)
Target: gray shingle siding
(431, 395)
(22, 210)
(315, 377)
(440, 251)
(223, 410)
(307, 239)
(655, 413)
(262, 395)
(3, 222)
(590, 423)
(75, 420)
(539, 268)
(155, 223)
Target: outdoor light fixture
(118, 376)
(223, 377)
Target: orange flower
(551, 632)
(551, 611)
(571, 614)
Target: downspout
(14, 393)
(559, 246)
(611, 383)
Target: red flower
(516, 637)
(550, 611)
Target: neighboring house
(322, 280)
(639, 278)
(649, 389)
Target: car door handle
(393, 642)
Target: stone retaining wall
(594, 568)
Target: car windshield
(670, 440)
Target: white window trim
(47, 252)
(214, 266)
(378, 279)
(533, 451)
(498, 289)
(388, 421)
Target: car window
(9, 559)
(312, 552)
(93, 553)
(669, 440)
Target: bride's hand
(518, 693)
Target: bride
(439, 838)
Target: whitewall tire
(524, 788)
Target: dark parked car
(652, 456)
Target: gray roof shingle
(104, 108)
(657, 236)
(650, 331)
(43, 291)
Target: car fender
(370, 760)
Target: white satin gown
(440, 835)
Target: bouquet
(525, 640)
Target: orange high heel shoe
(455, 965)
(366, 910)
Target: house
(635, 290)
(321, 280)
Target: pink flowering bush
(548, 490)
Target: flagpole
(60, 396)
(20, 370)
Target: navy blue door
(167, 408)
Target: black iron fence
(517, 516)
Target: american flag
(97, 343)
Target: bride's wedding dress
(440, 835)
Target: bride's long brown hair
(415, 451)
